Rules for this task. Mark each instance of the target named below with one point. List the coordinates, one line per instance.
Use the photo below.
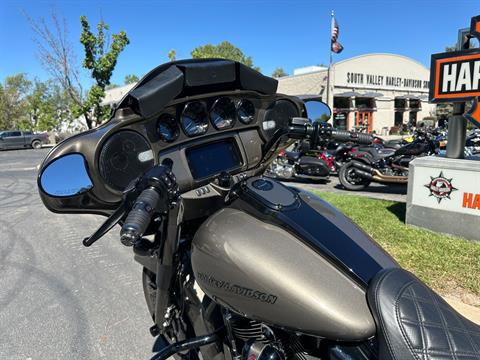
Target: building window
(340, 120)
(415, 104)
(400, 103)
(365, 103)
(340, 102)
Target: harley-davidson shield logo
(440, 187)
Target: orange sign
(471, 201)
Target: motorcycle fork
(166, 262)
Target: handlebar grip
(345, 136)
(139, 217)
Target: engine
(257, 341)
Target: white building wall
(389, 74)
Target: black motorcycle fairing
(106, 195)
(414, 322)
(189, 77)
(321, 227)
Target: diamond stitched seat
(413, 322)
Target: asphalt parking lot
(58, 299)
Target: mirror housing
(317, 110)
(66, 176)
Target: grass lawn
(449, 264)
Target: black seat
(413, 322)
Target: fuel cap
(271, 193)
(262, 184)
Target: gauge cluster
(195, 118)
(200, 137)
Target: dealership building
(373, 92)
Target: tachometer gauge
(167, 128)
(222, 114)
(246, 111)
(195, 118)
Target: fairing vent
(124, 156)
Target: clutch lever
(106, 226)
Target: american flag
(337, 48)
(335, 30)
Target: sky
(280, 33)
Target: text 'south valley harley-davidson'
(241, 266)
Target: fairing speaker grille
(124, 156)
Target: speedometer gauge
(222, 114)
(195, 118)
(167, 128)
(246, 111)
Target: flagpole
(330, 64)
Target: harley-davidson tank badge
(440, 187)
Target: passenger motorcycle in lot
(236, 265)
(383, 165)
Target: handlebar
(346, 136)
(140, 216)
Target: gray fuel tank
(267, 271)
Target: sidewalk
(472, 313)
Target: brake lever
(107, 225)
(129, 195)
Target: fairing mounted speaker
(124, 156)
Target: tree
(450, 48)
(131, 78)
(58, 58)
(224, 50)
(101, 61)
(48, 107)
(13, 101)
(279, 72)
(172, 55)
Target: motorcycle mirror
(66, 176)
(317, 110)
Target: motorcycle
(384, 165)
(236, 265)
(301, 163)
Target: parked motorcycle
(294, 164)
(239, 266)
(384, 165)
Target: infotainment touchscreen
(213, 158)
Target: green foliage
(450, 48)
(43, 106)
(172, 55)
(48, 106)
(224, 50)
(279, 72)
(13, 101)
(101, 62)
(131, 78)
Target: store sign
(355, 78)
(455, 76)
(447, 189)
